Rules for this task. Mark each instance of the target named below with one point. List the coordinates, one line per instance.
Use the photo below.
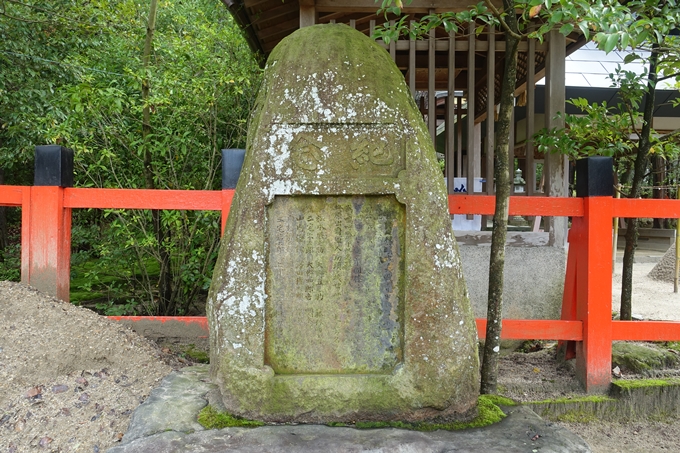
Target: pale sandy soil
(69, 378)
(652, 299)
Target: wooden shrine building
(455, 79)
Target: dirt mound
(664, 270)
(69, 378)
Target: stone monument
(338, 293)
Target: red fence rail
(585, 328)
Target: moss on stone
(209, 418)
(582, 399)
(577, 416)
(488, 408)
(488, 413)
(642, 359)
(500, 400)
(674, 345)
(573, 410)
(196, 355)
(645, 383)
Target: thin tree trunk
(164, 279)
(489, 371)
(640, 167)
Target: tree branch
(504, 24)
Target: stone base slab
(158, 430)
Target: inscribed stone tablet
(334, 284)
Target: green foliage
(72, 74)
(10, 256)
(10, 265)
(603, 130)
(599, 131)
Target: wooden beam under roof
(416, 6)
(260, 18)
(274, 32)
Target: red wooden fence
(586, 327)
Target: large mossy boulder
(338, 293)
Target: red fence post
(48, 258)
(593, 272)
(25, 235)
(227, 197)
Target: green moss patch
(581, 399)
(577, 416)
(642, 359)
(196, 355)
(209, 418)
(488, 413)
(645, 383)
(575, 410)
(500, 400)
(488, 409)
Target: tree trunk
(489, 371)
(639, 169)
(164, 279)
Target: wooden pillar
(593, 269)
(48, 259)
(393, 45)
(530, 174)
(307, 13)
(511, 149)
(556, 166)
(431, 99)
(412, 62)
(459, 137)
(490, 111)
(451, 114)
(471, 111)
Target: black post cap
(595, 177)
(53, 166)
(232, 162)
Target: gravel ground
(70, 379)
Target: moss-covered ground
(645, 383)
(488, 406)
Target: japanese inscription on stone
(368, 150)
(334, 284)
